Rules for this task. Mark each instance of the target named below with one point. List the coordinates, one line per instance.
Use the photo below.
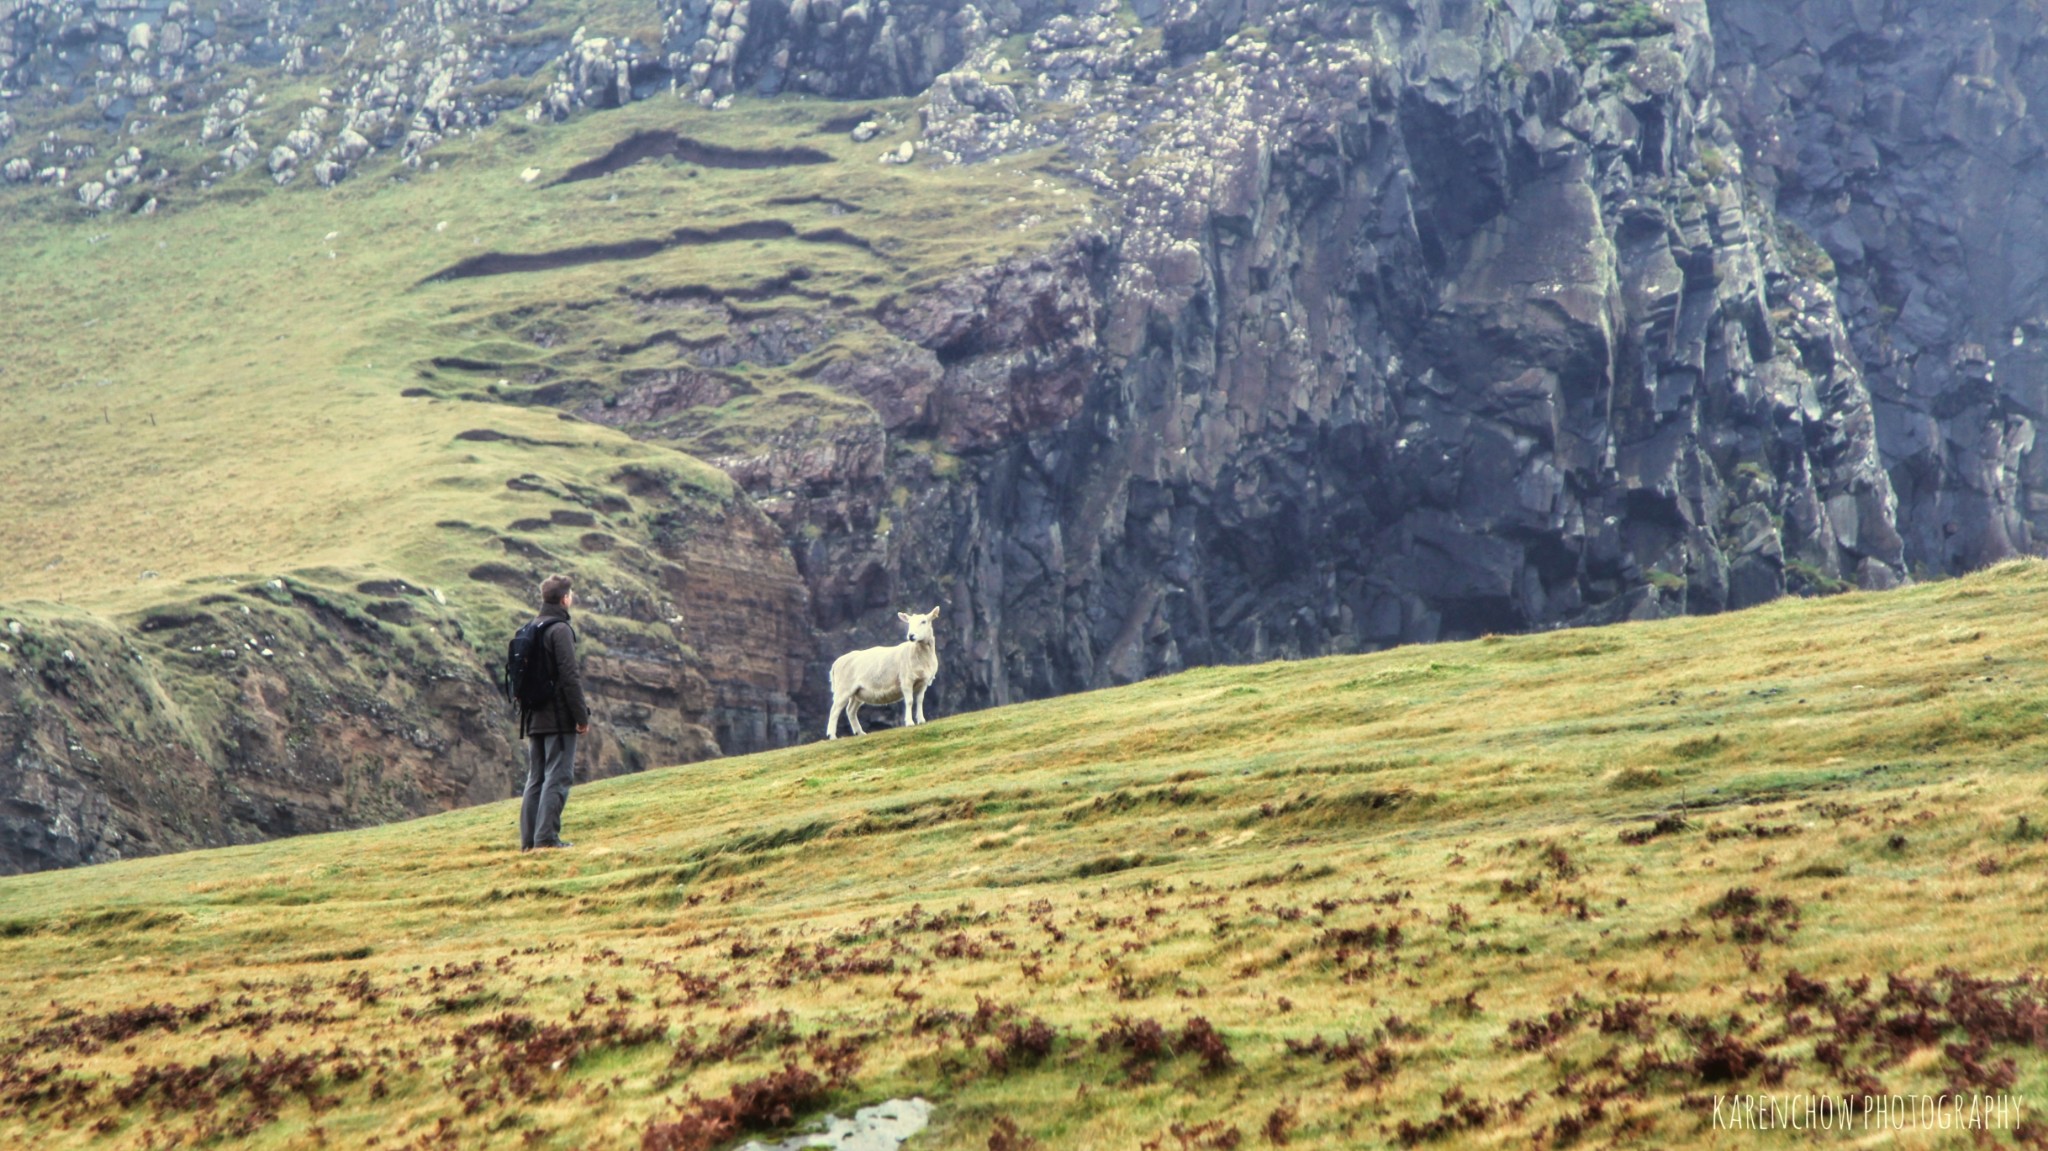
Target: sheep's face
(920, 625)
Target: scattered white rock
(351, 145)
(883, 1127)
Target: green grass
(1673, 826)
(246, 384)
(1614, 20)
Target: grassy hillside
(276, 381)
(307, 430)
(1567, 887)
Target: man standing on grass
(551, 727)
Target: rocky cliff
(307, 703)
(1414, 321)
(1393, 321)
(1422, 321)
(1897, 137)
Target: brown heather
(1326, 904)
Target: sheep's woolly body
(884, 675)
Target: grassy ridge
(1569, 886)
(249, 385)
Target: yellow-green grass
(217, 389)
(1188, 847)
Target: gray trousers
(550, 763)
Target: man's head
(556, 590)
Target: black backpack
(529, 670)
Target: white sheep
(883, 675)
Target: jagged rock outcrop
(597, 72)
(405, 79)
(1419, 322)
(842, 48)
(238, 719)
(1896, 137)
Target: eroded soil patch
(657, 144)
(503, 263)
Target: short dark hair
(553, 588)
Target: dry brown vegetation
(1543, 891)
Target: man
(551, 729)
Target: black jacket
(567, 711)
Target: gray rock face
(1395, 339)
(1896, 137)
(841, 48)
(1419, 321)
(595, 73)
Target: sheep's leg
(853, 714)
(832, 716)
(920, 701)
(909, 703)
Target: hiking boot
(557, 843)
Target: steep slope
(1590, 885)
(272, 530)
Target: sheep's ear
(934, 615)
(904, 616)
